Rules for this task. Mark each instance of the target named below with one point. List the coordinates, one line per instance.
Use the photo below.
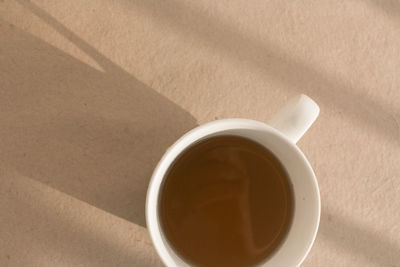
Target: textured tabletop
(93, 92)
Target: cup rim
(177, 148)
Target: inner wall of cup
(306, 198)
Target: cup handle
(296, 117)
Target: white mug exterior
(279, 137)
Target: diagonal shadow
(40, 225)
(300, 76)
(389, 7)
(356, 240)
(93, 135)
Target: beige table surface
(93, 92)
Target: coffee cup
(279, 136)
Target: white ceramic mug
(279, 136)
